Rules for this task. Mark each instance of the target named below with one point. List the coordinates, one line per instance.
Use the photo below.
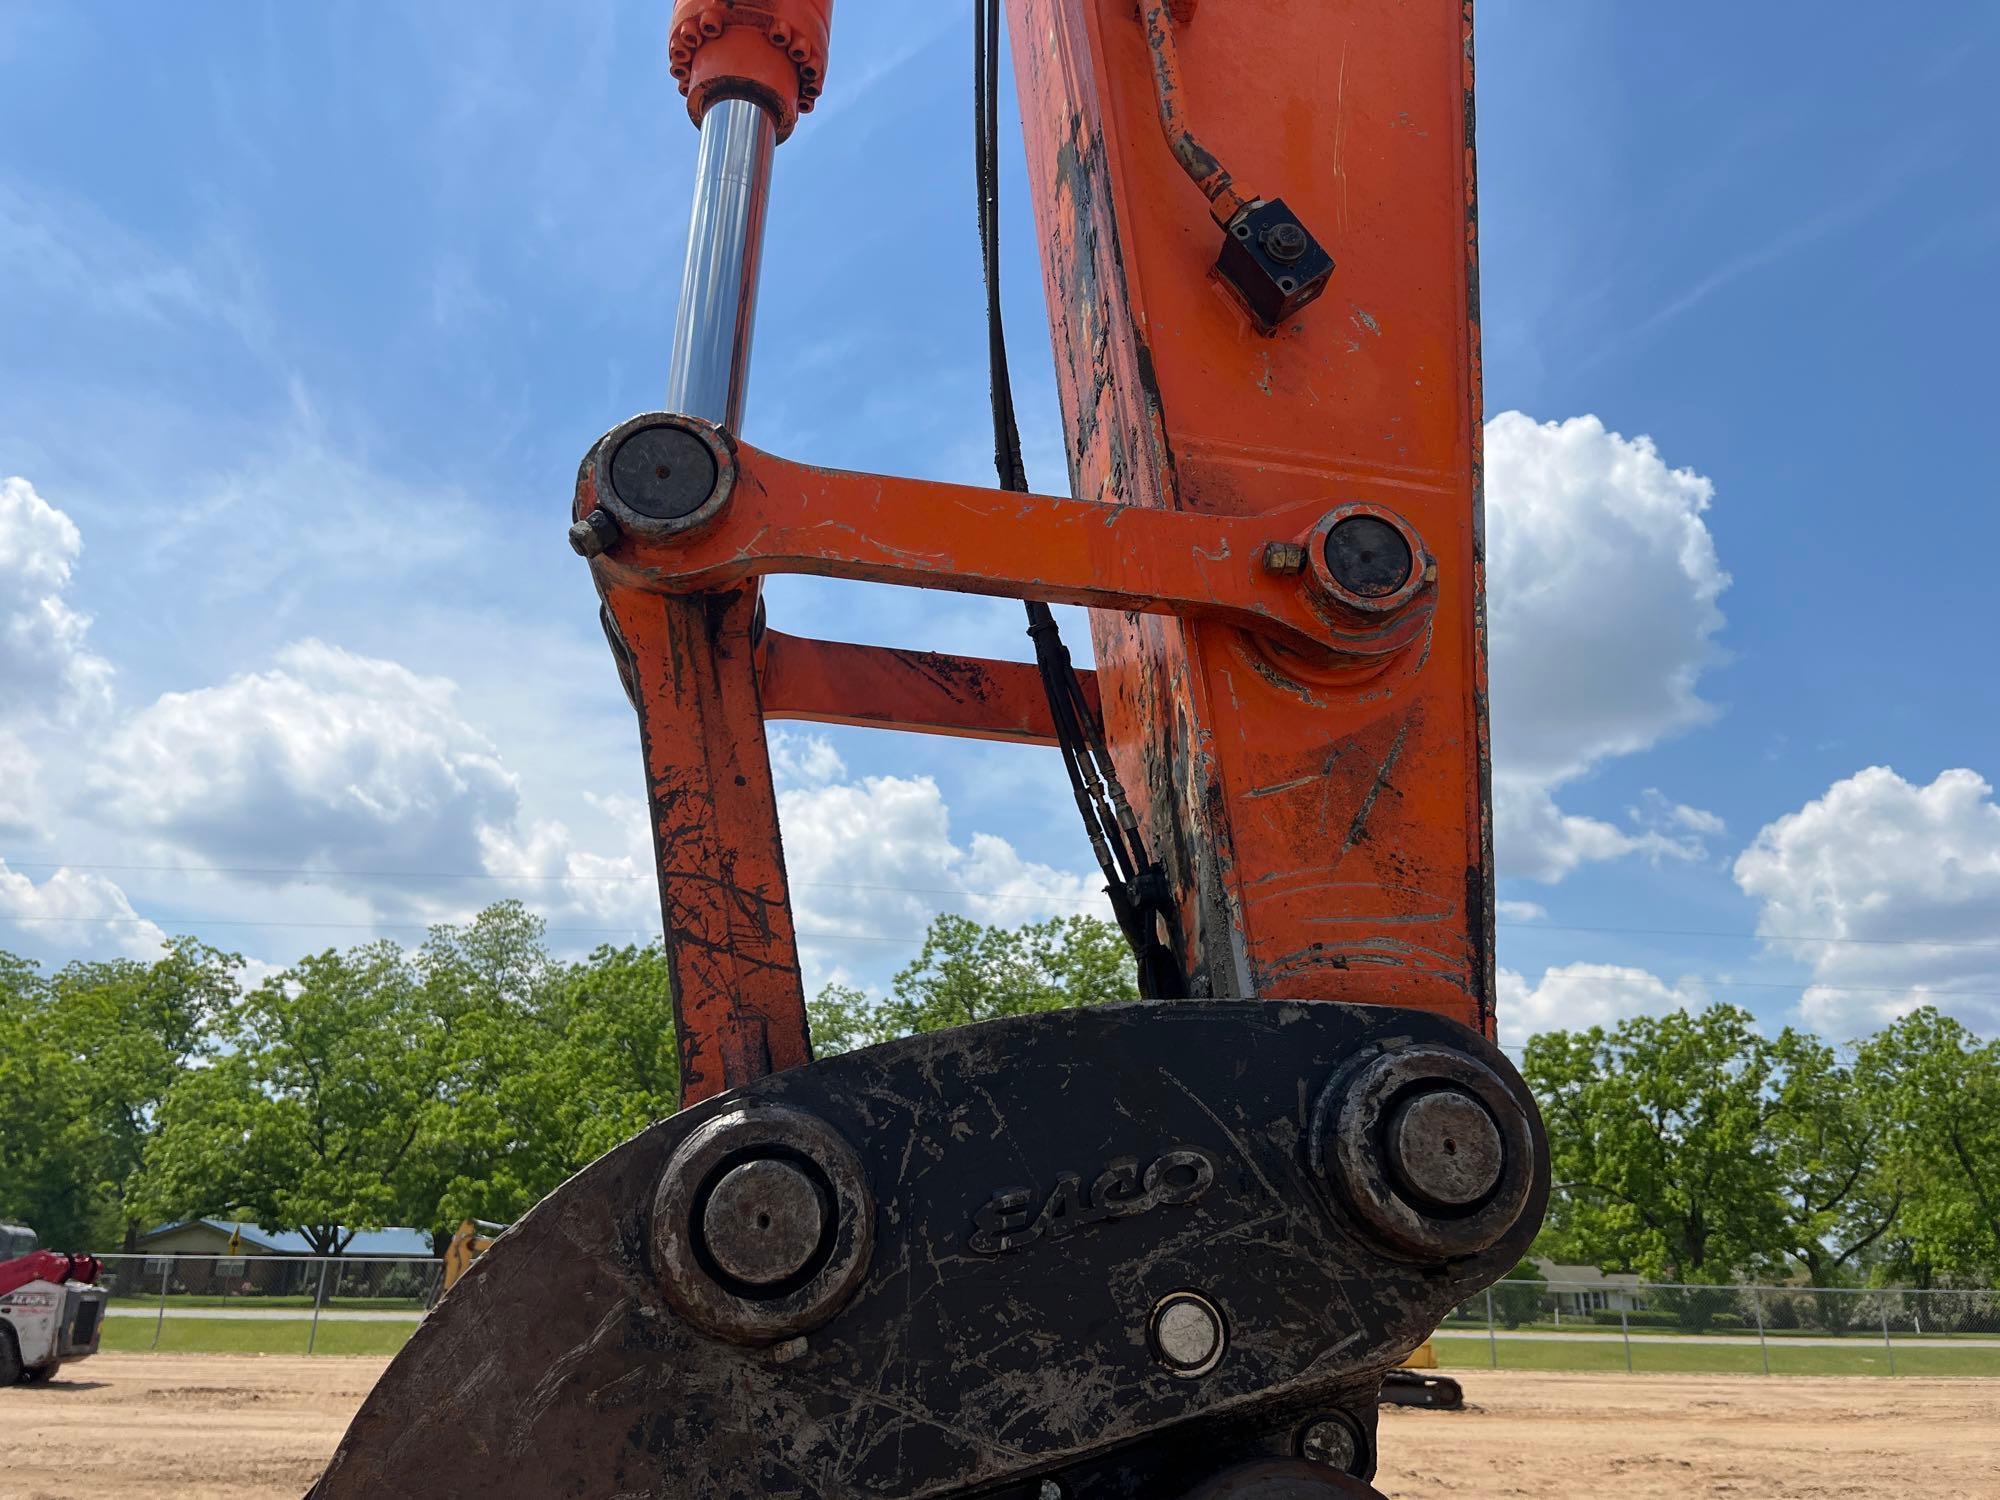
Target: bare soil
(189, 1426)
(233, 1427)
(1644, 1436)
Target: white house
(1583, 1290)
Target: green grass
(1861, 1333)
(181, 1335)
(184, 1335)
(1715, 1359)
(299, 1299)
(190, 1335)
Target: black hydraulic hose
(1134, 882)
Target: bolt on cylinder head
(1369, 556)
(658, 476)
(666, 473)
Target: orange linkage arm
(1272, 575)
(726, 910)
(926, 692)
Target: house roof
(1582, 1275)
(411, 1242)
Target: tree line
(375, 1085)
(360, 1088)
(1693, 1148)
(378, 1085)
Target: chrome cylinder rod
(710, 369)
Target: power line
(522, 875)
(913, 939)
(1040, 894)
(198, 869)
(1761, 937)
(629, 928)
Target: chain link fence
(272, 1303)
(1623, 1323)
(308, 1304)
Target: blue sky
(308, 312)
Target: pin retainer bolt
(595, 535)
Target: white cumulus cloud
(327, 759)
(73, 913)
(1603, 582)
(602, 876)
(20, 787)
(1905, 879)
(1573, 997)
(871, 859)
(46, 668)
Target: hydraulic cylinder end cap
(774, 52)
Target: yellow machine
(472, 1240)
(1404, 1386)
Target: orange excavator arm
(1168, 1248)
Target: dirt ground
(1647, 1437)
(230, 1427)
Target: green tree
(615, 1063)
(1941, 1087)
(842, 1018)
(486, 1145)
(1520, 1295)
(308, 1118)
(373, 1087)
(47, 1176)
(135, 1027)
(86, 1058)
(971, 972)
(1839, 1182)
(1659, 1143)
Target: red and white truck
(51, 1309)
